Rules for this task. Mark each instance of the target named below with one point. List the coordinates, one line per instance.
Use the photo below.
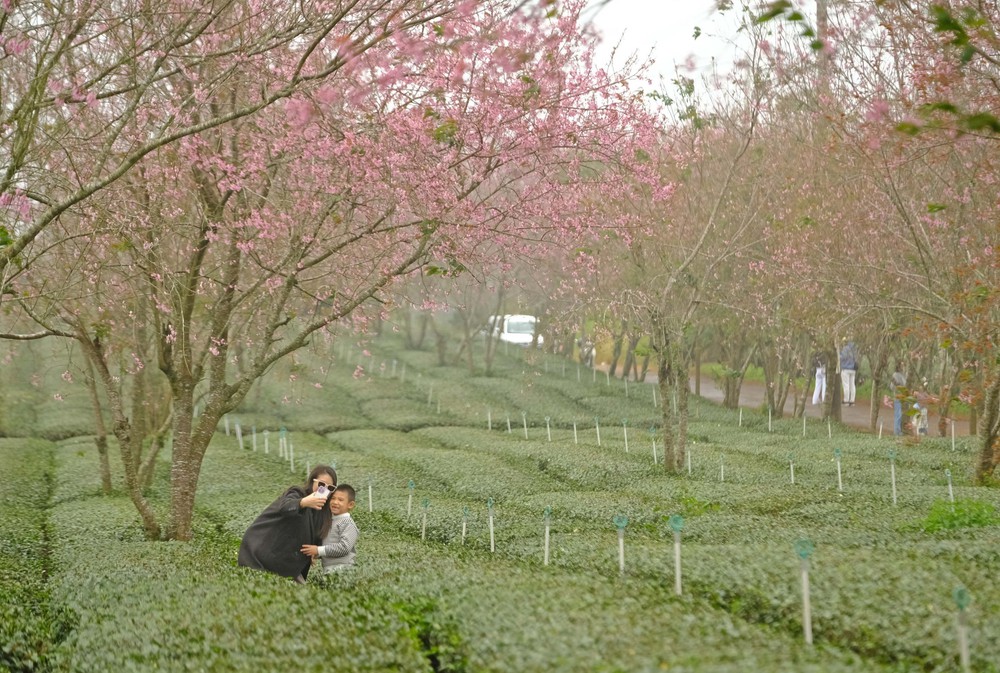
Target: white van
(514, 328)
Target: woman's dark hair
(318, 470)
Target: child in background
(337, 550)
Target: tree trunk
(101, 432)
(989, 427)
(616, 351)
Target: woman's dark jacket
(273, 540)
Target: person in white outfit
(819, 394)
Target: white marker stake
(880, 429)
(597, 426)
(688, 452)
(493, 546)
(807, 628)
(548, 429)
(423, 526)
(951, 491)
(803, 424)
(465, 526)
(489, 419)
(741, 417)
(654, 450)
(892, 476)
(545, 560)
(253, 433)
(769, 419)
(267, 442)
(575, 439)
(508, 424)
(625, 430)
(829, 429)
(963, 642)
(952, 435)
(840, 481)
(524, 421)
(626, 385)
(722, 468)
(225, 419)
(409, 504)
(239, 436)
(791, 470)
(607, 375)
(654, 396)
(677, 562)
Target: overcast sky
(667, 27)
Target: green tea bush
(962, 513)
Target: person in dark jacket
(299, 517)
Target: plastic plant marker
(465, 522)
(625, 431)
(524, 422)
(489, 418)
(626, 386)
(620, 522)
(253, 435)
(409, 500)
(791, 467)
(239, 436)
(547, 516)
(423, 526)
(575, 438)
(962, 601)
(291, 457)
(607, 375)
(840, 479)
(489, 509)
(508, 424)
(652, 439)
(688, 452)
(393, 369)
(370, 500)
(804, 548)
(952, 422)
(769, 419)
(597, 426)
(880, 429)
(803, 425)
(225, 420)
(892, 473)
(677, 524)
(951, 491)
(741, 417)
(829, 429)
(267, 442)
(722, 467)
(548, 428)
(654, 396)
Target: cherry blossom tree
(460, 130)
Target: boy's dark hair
(348, 489)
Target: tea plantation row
(97, 596)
